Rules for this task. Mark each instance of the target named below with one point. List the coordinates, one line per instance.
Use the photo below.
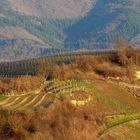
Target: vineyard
(70, 70)
(106, 110)
(31, 66)
(85, 89)
(52, 90)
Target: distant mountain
(53, 9)
(107, 21)
(37, 27)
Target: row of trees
(40, 65)
(120, 62)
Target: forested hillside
(109, 20)
(33, 28)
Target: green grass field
(2, 98)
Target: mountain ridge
(54, 9)
(97, 25)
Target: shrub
(59, 121)
(20, 85)
(107, 69)
(126, 54)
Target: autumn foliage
(60, 121)
(20, 85)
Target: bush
(20, 85)
(108, 69)
(126, 54)
(60, 121)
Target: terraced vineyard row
(22, 102)
(45, 98)
(63, 86)
(31, 66)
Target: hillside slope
(106, 22)
(34, 28)
(52, 8)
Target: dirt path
(119, 121)
(129, 85)
(134, 90)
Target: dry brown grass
(60, 122)
(20, 85)
(107, 69)
(90, 67)
(126, 54)
(122, 64)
